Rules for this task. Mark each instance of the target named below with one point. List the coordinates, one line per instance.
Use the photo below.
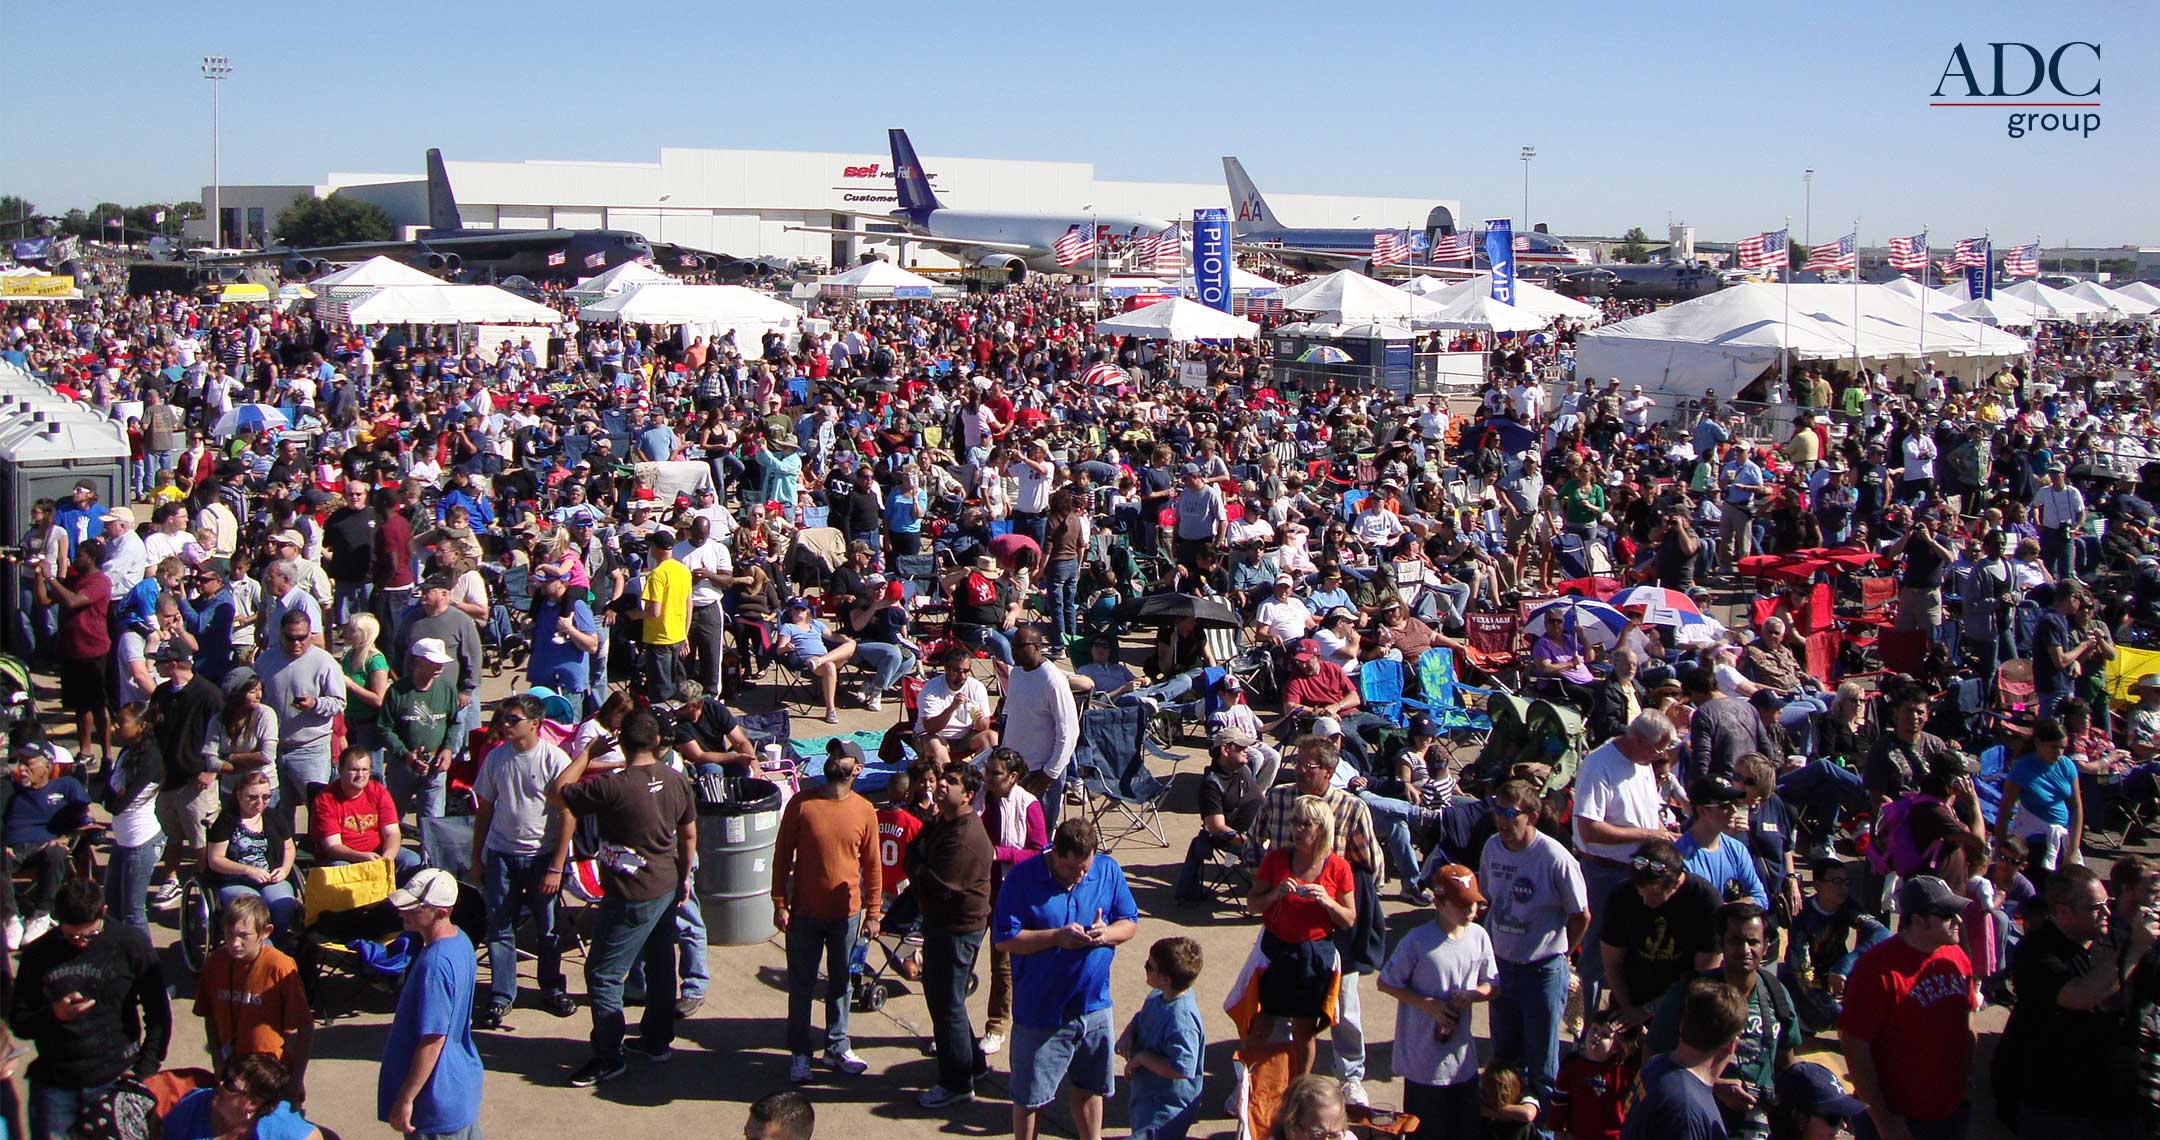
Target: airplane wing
(953, 243)
(357, 251)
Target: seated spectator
(43, 812)
(247, 1104)
(1316, 689)
(1826, 936)
(354, 821)
(1560, 659)
(251, 853)
(952, 713)
(707, 734)
(805, 641)
(1311, 1106)
(1113, 678)
(1230, 801)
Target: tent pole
(1925, 258)
(1785, 362)
(1856, 297)
(2036, 288)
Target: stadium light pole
(215, 68)
(1807, 219)
(1528, 153)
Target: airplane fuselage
(1038, 232)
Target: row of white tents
(2027, 303)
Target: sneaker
(992, 1043)
(36, 928)
(492, 1016)
(1353, 1092)
(874, 702)
(686, 1008)
(597, 1071)
(13, 933)
(657, 1054)
(845, 1061)
(1417, 895)
(559, 1004)
(798, 1069)
(167, 896)
(938, 1096)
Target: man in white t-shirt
(2059, 511)
(710, 565)
(952, 712)
(1617, 809)
(1034, 474)
(1283, 618)
(519, 840)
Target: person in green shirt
(1855, 400)
(414, 726)
(1773, 1029)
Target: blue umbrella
(258, 417)
(1324, 354)
(1599, 624)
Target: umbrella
(256, 417)
(1593, 587)
(1324, 354)
(1105, 374)
(1170, 609)
(1657, 597)
(1600, 624)
(1688, 628)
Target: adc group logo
(2046, 88)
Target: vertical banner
(1500, 251)
(1211, 258)
(1980, 279)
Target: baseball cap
(1813, 1089)
(120, 515)
(1767, 700)
(431, 650)
(2148, 681)
(1189, 469)
(171, 651)
(1326, 726)
(289, 537)
(1713, 790)
(1305, 647)
(1422, 725)
(1457, 884)
(437, 582)
(1231, 735)
(431, 886)
(1926, 894)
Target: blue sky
(1639, 112)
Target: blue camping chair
(1380, 689)
(1443, 694)
(1122, 797)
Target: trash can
(735, 852)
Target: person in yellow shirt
(1805, 447)
(665, 631)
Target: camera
(16, 552)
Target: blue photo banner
(1211, 258)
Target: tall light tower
(1807, 220)
(1528, 153)
(215, 68)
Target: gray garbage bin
(734, 872)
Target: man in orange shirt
(827, 883)
(250, 995)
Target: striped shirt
(1354, 839)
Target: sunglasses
(512, 718)
(1500, 812)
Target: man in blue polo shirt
(1061, 915)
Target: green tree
(332, 221)
(15, 215)
(1634, 246)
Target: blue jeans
(423, 796)
(1797, 718)
(1036, 527)
(127, 882)
(1453, 598)
(1061, 588)
(1392, 819)
(510, 884)
(631, 931)
(284, 905)
(887, 662)
(948, 960)
(989, 640)
(807, 938)
(1599, 879)
(690, 942)
(349, 598)
(53, 1110)
(1528, 999)
(1168, 691)
(469, 1132)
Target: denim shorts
(1078, 1050)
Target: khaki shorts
(185, 815)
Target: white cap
(1326, 726)
(431, 650)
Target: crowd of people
(1766, 837)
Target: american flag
(1075, 247)
(1972, 251)
(1909, 252)
(2022, 261)
(557, 257)
(1390, 247)
(596, 259)
(1163, 251)
(1452, 247)
(1522, 243)
(1948, 267)
(1770, 250)
(1844, 253)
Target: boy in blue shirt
(1163, 1043)
(1713, 855)
(430, 1081)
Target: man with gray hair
(285, 584)
(1617, 809)
(305, 687)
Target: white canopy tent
(2140, 291)
(1427, 284)
(1905, 286)
(1478, 310)
(1725, 341)
(716, 307)
(2042, 302)
(1529, 296)
(374, 273)
(1241, 281)
(628, 275)
(1178, 319)
(1999, 311)
(440, 304)
(2117, 302)
(1344, 297)
(877, 279)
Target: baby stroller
(869, 986)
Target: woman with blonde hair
(367, 679)
(1311, 1106)
(1303, 893)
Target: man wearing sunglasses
(91, 995)
(1540, 910)
(516, 830)
(305, 687)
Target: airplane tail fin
(442, 208)
(1247, 207)
(916, 197)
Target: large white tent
(440, 304)
(2117, 302)
(1475, 310)
(1725, 341)
(1999, 311)
(703, 310)
(1178, 319)
(628, 275)
(2042, 302)
(877, 279)
(374, 273)
(1529, 296)
(2139, 290)
(1345, 297)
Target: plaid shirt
(1354, 838)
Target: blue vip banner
(1980, 279)
(1211, 258)
(1500, 252)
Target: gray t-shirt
(1533, 891)
(1429, 962)
(515, 784)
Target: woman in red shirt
(1303, 894)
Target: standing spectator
(711, 569)
(1303, 893)
(519, 837)
(91, 996)
(664, 633)
(434, 617)
(131, 794)
(1539, 915)
(948, 869)
(1041, 722)
(84, 598)
(1711, 855)
(1773, 1030)
(1202, 519)
(1014, 821)
(348, 543)
(826, 890)
(250, 995)
(2058, 650)
(1437, 974)
(1678, 1100)
(1229, 805)
(563, 637)
(647, 815)
(1659, 930)
(305, 687)
(1722, 728)
(415, 730)
(1617, 809)
(1901, 756)
(1907, 1028)
(429, 1085)
(1062, 915)
(1163, 1044)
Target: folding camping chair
(1121, 797)
(1380, 691)
(1457, 721)
(1495, 645)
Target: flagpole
(1856, 298)
(1926, 256)
(2036, 288)
(1785, 364)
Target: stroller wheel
(873, 997)
(196, 924)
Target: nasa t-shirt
(1532, 892)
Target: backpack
(1891, 850)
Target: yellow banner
(46, 286)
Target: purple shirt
(1569, 645)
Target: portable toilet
(43, 456)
